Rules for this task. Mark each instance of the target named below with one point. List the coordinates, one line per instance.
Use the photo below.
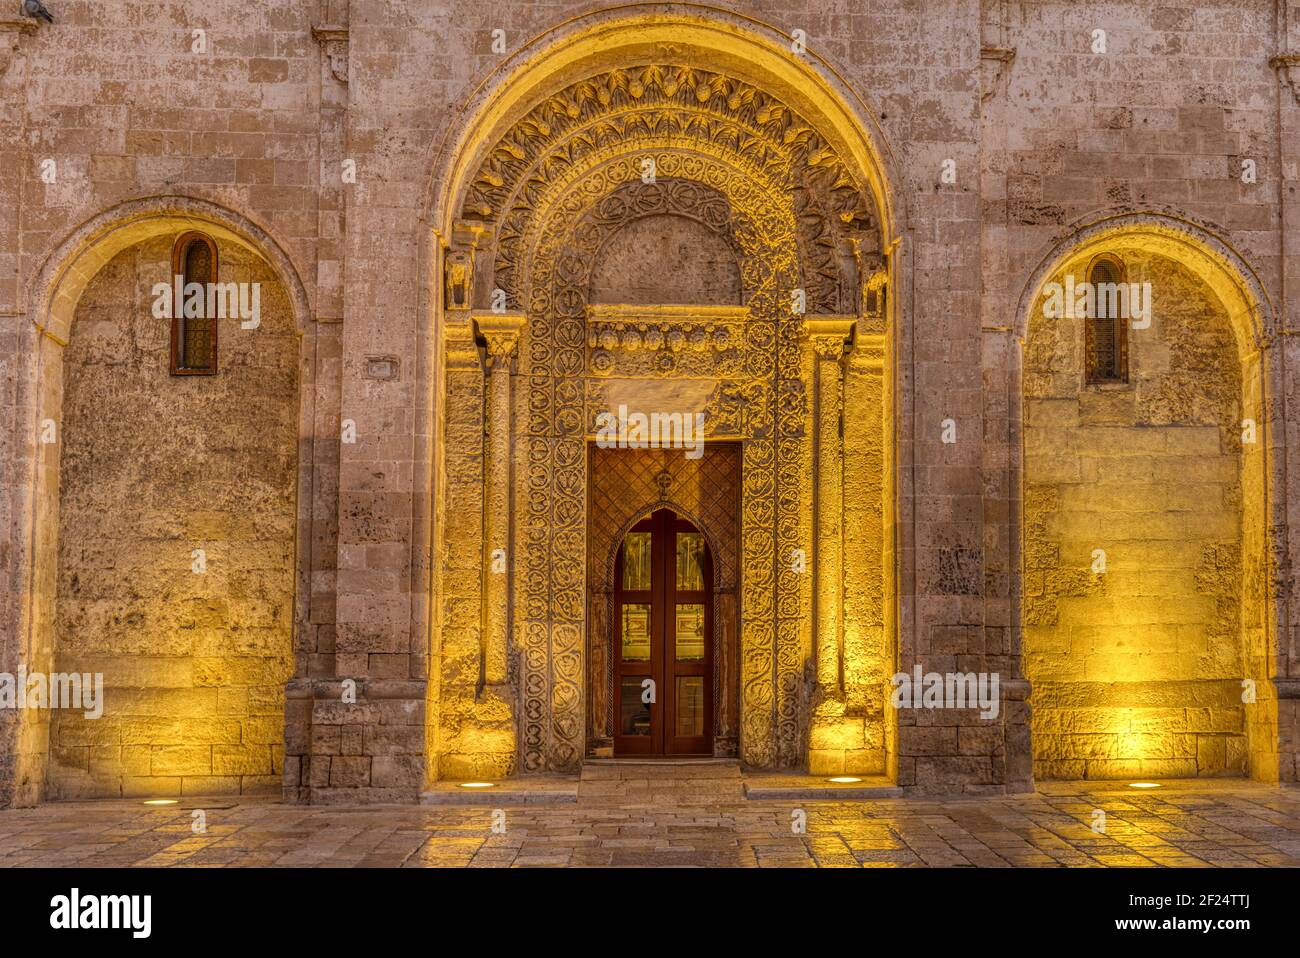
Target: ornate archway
(658, 135)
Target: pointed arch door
(662, 633)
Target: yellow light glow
(1143, 784)
(477, 784)
(844, 779)
(161, 801)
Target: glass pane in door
(633, 714)
(690, 562)
(690, 705)
(636, 632)
(636, 561)
(690, 632)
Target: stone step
(659, 770)
(658, 782)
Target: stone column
(501, 330)
(827, 336)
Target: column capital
(501, 330)
(828, 334)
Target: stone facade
(477, 227)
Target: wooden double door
(662, 636)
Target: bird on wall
(36, 10)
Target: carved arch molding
(565, 178)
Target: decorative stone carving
(827, 337)
(713, 332)
(501, 332)
(11, 30)
(459, 279)
(875, 289)
(666, 107)
(334, 43)
(1287, 66)
(565, 178)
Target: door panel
(663, 630)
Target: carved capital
(460, 352)
(827, 335)
(334, 44)
(11, 29)
(995, 69)
(501, 333)
(1287, 66)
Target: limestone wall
(1042, 133)
(1133, 518)
(153, 467)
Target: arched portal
(163, 507)
(662, 215)
(1150, 530)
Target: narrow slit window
(1106, 346)
(194, 329)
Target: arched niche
(1138, 645)
(85, 273)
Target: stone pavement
(684, 818)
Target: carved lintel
(11, 30)
(1287, 66)
(674, 328)
(334, 42)
(995, 69)
(827, 335)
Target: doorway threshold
(660, 760)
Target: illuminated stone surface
(358, 465)
(668, 823)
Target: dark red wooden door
(662, 639)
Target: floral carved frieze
(655, 111)
(662, 331)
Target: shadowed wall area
(155, 466)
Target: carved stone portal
(671, 142)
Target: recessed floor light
(844, 779)
(161, 801)
(1143, 784)
(477, 784)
